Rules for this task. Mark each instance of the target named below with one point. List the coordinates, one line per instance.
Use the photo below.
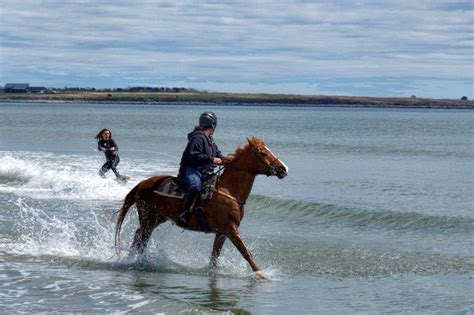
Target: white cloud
(263, 46)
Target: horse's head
(267, 162)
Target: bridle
(263, 158)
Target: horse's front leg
(216, 249)
(237, 241)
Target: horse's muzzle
(281, 172)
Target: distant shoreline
(236, 99)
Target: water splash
(14, 171)
(46, 176)
(86, 238)
(43, 234)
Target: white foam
(49, 176)
(12, 168)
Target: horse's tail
(127, 203)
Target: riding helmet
(208, 119)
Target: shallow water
(375, 215)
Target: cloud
(266, 46)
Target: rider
(110, 148)
(197, 163)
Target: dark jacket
(200, 151)
(112, 147)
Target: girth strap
(229, 196)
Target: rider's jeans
(192, 178)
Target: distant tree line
(135, 89)
(26, 88)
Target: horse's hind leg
(216, 249)
(143, 234)
(140, 240)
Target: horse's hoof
(261, 275)
(213, 264)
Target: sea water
(376, 215)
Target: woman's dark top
(112, 147)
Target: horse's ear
(248, 140)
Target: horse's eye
(264, 154)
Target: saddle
(173, 187)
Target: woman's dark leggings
(110, 164)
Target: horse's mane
(254, 142)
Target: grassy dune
(236, 98)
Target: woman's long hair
(99, 135)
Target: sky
(355, 48)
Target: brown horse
(223, 212)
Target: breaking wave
(326, 213)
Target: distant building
(23, 88)
(36, 89)
(16, 87)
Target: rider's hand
(228, 159)
(217, 161)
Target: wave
(312, 212)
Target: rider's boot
(189, 199)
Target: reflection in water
(210, 292)
(223, 299)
